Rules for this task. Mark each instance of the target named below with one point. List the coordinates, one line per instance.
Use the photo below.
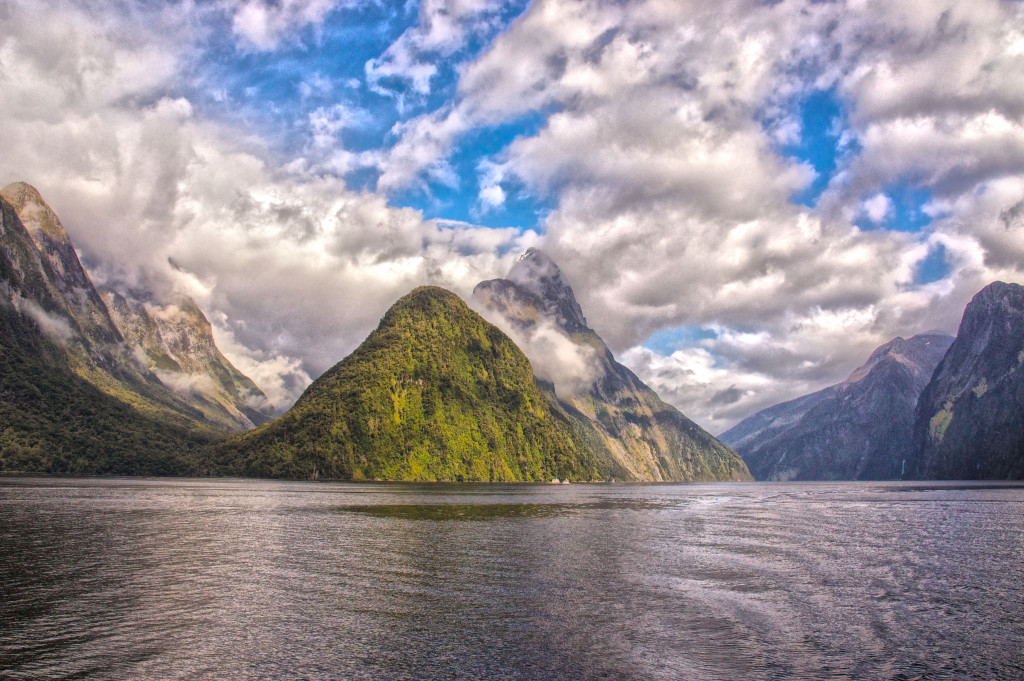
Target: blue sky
(331, 65)
(746, 197)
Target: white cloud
(671, 201)
(443, 30)
(878, 208)
(295, 266)
(186, 383)
(53, 326)
(326, 122)
(423, 146)
(282, 379)
(569, 366)
(263, 24)
(492, 196)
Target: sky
(748, 197)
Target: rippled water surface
(184, 579)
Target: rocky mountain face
(56, 291)
(434, 393)
(45, 285)
(67, 281)
(633, 432)
(970, 418)
(52, 419)
(860, 429)
(175, 341)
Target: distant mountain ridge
(175, 342)
(930, 407)
(631, 429)
(860, 429)
(119, 380)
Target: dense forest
(434, 393)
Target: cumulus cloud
(492, 196)
(263, 24)
(282, 379)
(327, 121)
(672, 198)
(878, 208)
(293, 267)
(735, 373)
(659, 152)
(422, 148)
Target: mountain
(970, 418)
(58, 293)
(175, 342)
(161, 359)
(860, 429)
(434, 393)
(51, 418)
(633, 432)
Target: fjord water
(186, 579)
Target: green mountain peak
(434, 393)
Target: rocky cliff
(159, 360)
(175, 341)
(57, 291)
(51, 418)
(970, 418)
(634, 433)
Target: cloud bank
(659, 138)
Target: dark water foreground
(171, 579)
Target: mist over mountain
(57, 292)
(92, 375)
(859, 429)
(175, 342)
(104, 383)
(161, 359)
(63, 372)
(624, 421)
(434, 393)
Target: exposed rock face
(639, 436)
(175, 342)
(970, 418)
(45, 281)
(51, 418)
(537, 279)
(54, 289)
(434, 393)
(860, 429)
(69, 283)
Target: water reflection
(494, 511)
(247, 580)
